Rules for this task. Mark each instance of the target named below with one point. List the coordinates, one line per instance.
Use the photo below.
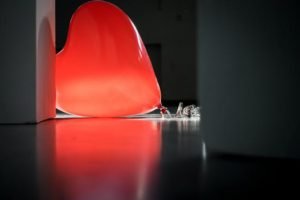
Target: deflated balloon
(104, 69)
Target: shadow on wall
(249, 76)
(45, 70)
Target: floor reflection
(27, 157)
(106, 158)
(136, 159)
(87, 159)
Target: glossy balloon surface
(104, 69)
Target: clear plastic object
(190, 111)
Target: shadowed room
(149, 100)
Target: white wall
(27, 92)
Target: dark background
(248, 59)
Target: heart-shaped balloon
(104, 69)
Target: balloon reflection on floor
(106, 158)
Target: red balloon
(104, 69)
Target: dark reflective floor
(132, 159)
